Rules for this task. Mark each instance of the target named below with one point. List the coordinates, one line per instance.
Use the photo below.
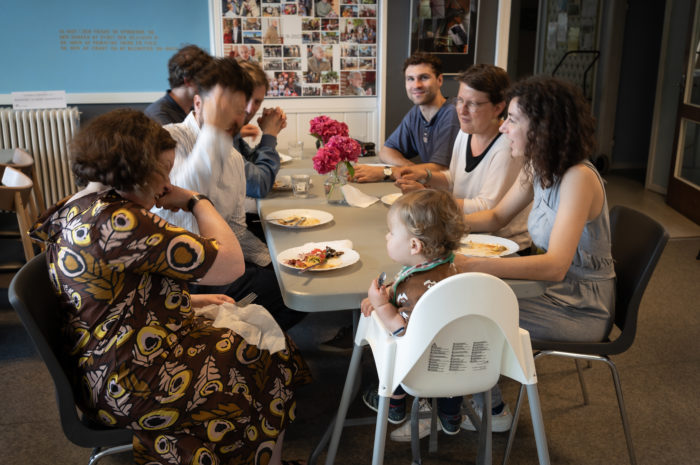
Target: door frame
(681, 195)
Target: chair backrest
(462, 336)
(15, 194)
(13, 180)
(24, 162)
(33, 298)
(637, 244)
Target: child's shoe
(450, 423)
(397, 407)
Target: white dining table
(342, 288)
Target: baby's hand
(377, 296)
(366, 307)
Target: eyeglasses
(473, 107)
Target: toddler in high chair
(425, 228)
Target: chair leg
(415, 440)
(485, 454)
(99, 453)
(582, 381)
(345, 400)
(538, 424)
(623, 410)
(514, 425)
(380, 431)
(433, 443)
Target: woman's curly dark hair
(434, 218)
(119, 149)
(562, 129)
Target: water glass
(295, 149)
(301, 184)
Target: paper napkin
(356, 198)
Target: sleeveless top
(590, 281)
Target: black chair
(637, 244)
(32, 296)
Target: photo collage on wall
(307, 48)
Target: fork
(299, 221)
(248, 299)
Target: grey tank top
(592, 260)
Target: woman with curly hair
(138, 356)
(550, 124)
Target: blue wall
(90, 46)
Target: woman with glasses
(482, 168)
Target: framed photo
(446, 28)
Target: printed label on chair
(462, 356)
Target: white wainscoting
(359, 113)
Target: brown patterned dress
(192, 393)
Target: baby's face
(398, 240)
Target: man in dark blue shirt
(427, 132)
(177, 102)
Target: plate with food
(299, 218)
(284, 158)
(484, 245)
(317, 257)
(282, 183)
(389, 199)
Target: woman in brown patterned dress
(192, 393)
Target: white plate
(389, 199)
(349, 257)
(284, 158)
(321, 216)
(511, 247)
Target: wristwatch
(387, 173)
(194, 199)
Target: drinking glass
(301, 183)
(295, 149)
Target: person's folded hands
(408, 185)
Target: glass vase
(332, 187)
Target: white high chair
(463, 334)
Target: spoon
(380, 279)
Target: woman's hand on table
(202, 300)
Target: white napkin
(339, 244)
(252, 322)
(356, 198)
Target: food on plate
(482, 249)
(320, 259)
(298, 221)
(282, 185)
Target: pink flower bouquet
(336, 150)
(323, 128)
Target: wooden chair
(15, 194)
(23, 161)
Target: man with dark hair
(206, 162)
(177, 101)
(427, 132)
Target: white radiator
(45, 134)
